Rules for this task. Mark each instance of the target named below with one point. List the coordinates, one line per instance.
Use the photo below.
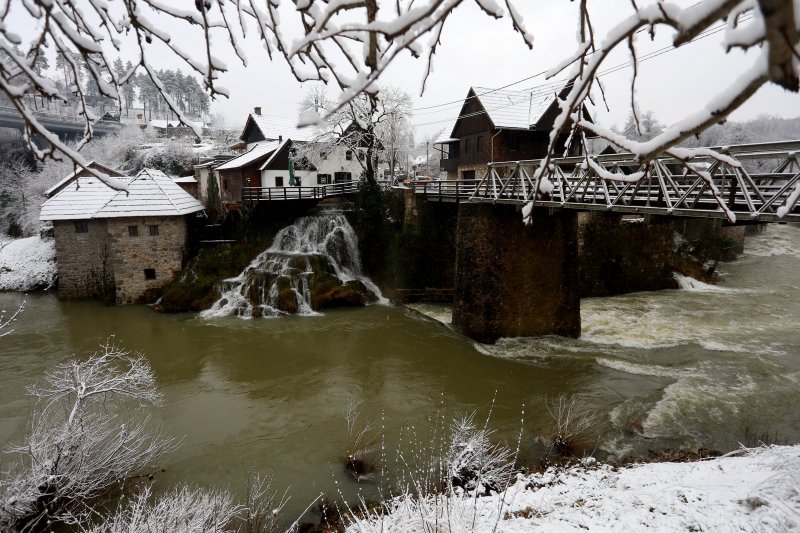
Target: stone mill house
(109, 241)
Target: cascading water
(311, 265)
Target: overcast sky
(479, 51)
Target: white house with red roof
(120, 244)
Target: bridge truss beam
(751, 183)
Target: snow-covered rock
(753, 490)
(27, 264)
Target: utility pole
(427, 159)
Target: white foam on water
(777, 239)
(687, 283)
(707, 391)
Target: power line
(546, 87)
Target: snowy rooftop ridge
(514, 109)
(91, 164)
(150, 193)
(274, 128)
(258, 151)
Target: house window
(362, 156)
(81, 226)
(133, 231)
(224, 185)
(466, 146)
(279, 181)
(149, 273)
(479, 144)
(348, 155)
(323, 155)
(323, 179)
(153, 229)
(342, 177)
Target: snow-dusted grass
(753, 490)
(27, 264)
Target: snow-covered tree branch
(350, 44)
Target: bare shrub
(85, 436)
(264, 504)
(574, 429)
(362, 442)
(184, 509)
(473, 461)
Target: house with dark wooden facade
(497, 125)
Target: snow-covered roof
(185, 179)
(150, 193)
(274, 128)
(91, 164)
(258, 151)
(514, 109)
(164, 124)
(275, 153)
(447, 134)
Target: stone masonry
(84, 263)
(145, 262)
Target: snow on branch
(351, 43)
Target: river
(705, 366)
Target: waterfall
(311, 265)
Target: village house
(272, 143)
(497, 125)
(108, 241)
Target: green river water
(686, 368)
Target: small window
(479, 144)
(153, 229)
(224, 185)
(133, 231)
(323, 179)
(81, 226)
(348, 155)
(149, 273)
(466, 146)
(362, 156)
(279, 181)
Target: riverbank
(755, 489)
(28, 264)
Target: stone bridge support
(516, 280)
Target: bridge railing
(313, 192)
(447, 190)
(749, 182)
(61, 115)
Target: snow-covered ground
(27, 264)
(752, 490)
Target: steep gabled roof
(255, 153)
(447, 134)
(273, 128)
(92, 164)
(150, 193)
(514, 109)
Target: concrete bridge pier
(516, 280)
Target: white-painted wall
(307, 177)
(336, 161)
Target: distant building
(128, 244)
(497, 125)
(272, 142)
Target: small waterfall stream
(311, 265)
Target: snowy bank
(27, 264)
(751, 490)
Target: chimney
(257, 110)
(280, 138)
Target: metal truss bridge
(753, 189)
